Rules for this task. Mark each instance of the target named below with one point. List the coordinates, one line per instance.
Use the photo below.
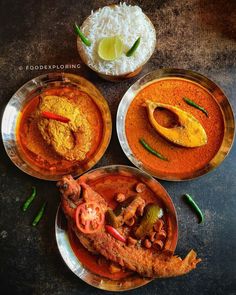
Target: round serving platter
(67, 253)
(203, 82)
(24, 95)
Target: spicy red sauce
(108, 186)
(34, 148)
(183, 162)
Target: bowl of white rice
(129, 23)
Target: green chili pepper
(29, 200)
(193, 104)
(39, 215)
(193, 204)
(81, 35)
(151, 150)
(133, 48)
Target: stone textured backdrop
(194, 34)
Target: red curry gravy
(182, 162)
(108, 186)
(36, 151)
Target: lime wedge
(110, 48)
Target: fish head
(74, 192)
(69, 188)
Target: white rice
(128, 22)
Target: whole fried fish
(146, 262)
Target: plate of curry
(56, 124)
(125, 191)
(175, 124)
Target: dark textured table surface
(199, 35)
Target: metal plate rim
(13, 108)
(172, 73)
(58, 231)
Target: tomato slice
(89, 217)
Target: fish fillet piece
(70, 140)
(34, 142)
(189, 132)
(148, 263)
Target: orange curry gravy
(108, 186)
(183, 162)
(36, 150)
